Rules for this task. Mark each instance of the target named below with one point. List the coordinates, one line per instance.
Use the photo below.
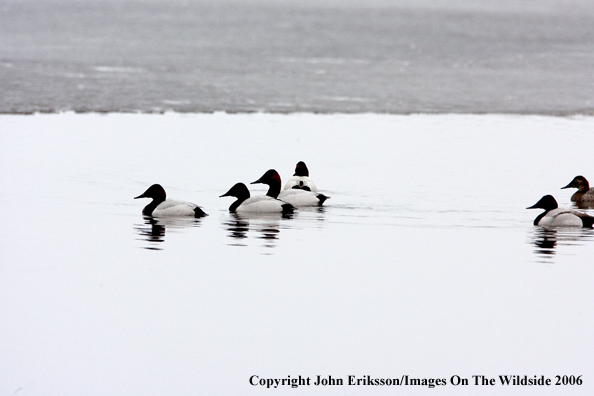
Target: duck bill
(227, 194)
(567, 186)
(259, 181)
(537, 205)
(140, 196)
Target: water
(424, 262)
(285, 56)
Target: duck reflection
(266, 225)
(316, 211)
(153, 230)
(237, 228)
(547, 240)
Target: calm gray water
(528, 56)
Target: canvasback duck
(555, 217)
(300, 179)
(259, 204)
(163, 207)
(296, 197)
(584, 192)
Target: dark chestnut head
(155, 192)
(239, 190)
(301, 169)
(272, 178)
(547, 203)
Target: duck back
(560, 218)
(264, 204)
(302, 198)
(302, 183)
(174, 208)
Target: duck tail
(198, 212)
(588, 221)
(322, 199)
(288, 209)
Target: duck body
(259, 204)
(160, 206)
(174, 208)
(553, 216)
(296, 197)
(264, 204)
(301, 180)
(584, 192)
(302, 198)
(559, 218)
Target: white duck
(296, 197)
(553, 216)
(259, 204)
(300, 179)
(160, 206)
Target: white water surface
(424, 261)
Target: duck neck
(540, 216)
(236, 204)
(148, 209)
(273, 190)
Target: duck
(163, 207)
(259, 204)
(584, 192)
(553, 216)
(300, 179)
(296, 197)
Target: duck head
(578, 182)
(155, 192)
(547, 203)
(239, 191)
(273, 180)
(301, 169)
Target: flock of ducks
(301, 191)
(553, 216)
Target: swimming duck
(296, 197)
(584, 192)
(300, 179)
(163, 207)
(259, 204)
(555, 217)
